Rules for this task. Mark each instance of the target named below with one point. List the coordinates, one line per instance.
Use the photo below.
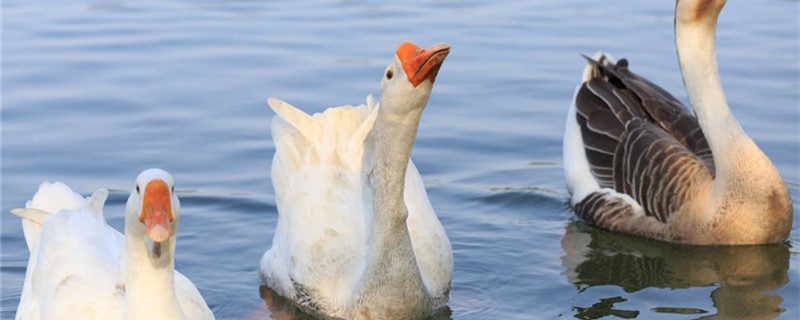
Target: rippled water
(94, 92)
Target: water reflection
(605, 308)
(744, 275)
(280, 308)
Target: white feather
(578, 174)
(324, 199)
(76, 269)
(580, 181)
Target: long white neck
(392, 273)
(695, 33)
(394, 138)
(150, 283)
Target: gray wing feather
(662, 108)
(641, 141)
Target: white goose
(82, 268)
(637, 161)
(356, 236)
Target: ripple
(475, 299)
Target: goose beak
(157, 211)
(420, 64)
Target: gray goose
(638, 161)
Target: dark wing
(640, 141)
(669, 113)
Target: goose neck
(392, 274)
(394, 139)
(695, 40)
(150, 283)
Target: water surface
(94, 92)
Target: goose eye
(137, 189)
(389, 74)
(173, 189)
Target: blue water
(94, 92)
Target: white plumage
(325, 202)
(78, 263)
(325, 173)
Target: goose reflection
(744, 275)
(280, 308)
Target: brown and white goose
(637, 161)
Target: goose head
(152, 212)
(408, 80)
(702, 13)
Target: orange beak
(157, 211)
(420, 64)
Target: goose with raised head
(637, 161)
(356, 236)
(82, 268)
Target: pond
(93, 92)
